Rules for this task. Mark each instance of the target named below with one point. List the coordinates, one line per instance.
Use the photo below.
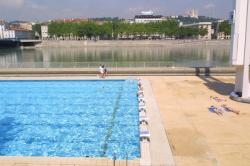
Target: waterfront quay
(132, 43)
(12, 43)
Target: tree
(203, 31)
(117, 29)
(36, 31)
(106, 30)
(225, 27)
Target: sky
(42, 10)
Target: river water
(155, 56)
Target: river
(190, 55)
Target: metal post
(207, 71)
(114, 158)
(126, 159)
(197, 71)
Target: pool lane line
(112, 122)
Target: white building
(6, 34)
(2, 29)
(222, 36)
(14, 34)
(45, 31)
(147, 17)
(203, 25)
(193, 13)
(9, 34)
(241, 50)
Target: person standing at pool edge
(101, 70)
(105, 71)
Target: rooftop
(148, 16)
(199, 23)
(19, 29)
(68, 20)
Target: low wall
(123, 43)
(118, 71)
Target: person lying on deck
(224, 107)
(213, 109)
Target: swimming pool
(69, 119)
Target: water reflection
(181, 56)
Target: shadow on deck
(218, 86)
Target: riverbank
(132, 43)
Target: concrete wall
(132, 43)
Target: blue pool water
(69, 119)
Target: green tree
(203, 31)
(116, 28)
(225, 27)
(36, 31)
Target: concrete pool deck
(196, 136)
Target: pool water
(69, 119)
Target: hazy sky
(32, 10)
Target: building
(26, 26)
(240, 50)
(217, 33)
(222, 36)
(231, 17)
(14, 33)
(174, 17)
(44, 32)
(147, 17)
(2, 29)
(129, 21)
(2, 22)
(202, 25)
(193, 13)
(22, 34)
(6, 34)
(70, 20)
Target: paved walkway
(197, 136)
(160, 150)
